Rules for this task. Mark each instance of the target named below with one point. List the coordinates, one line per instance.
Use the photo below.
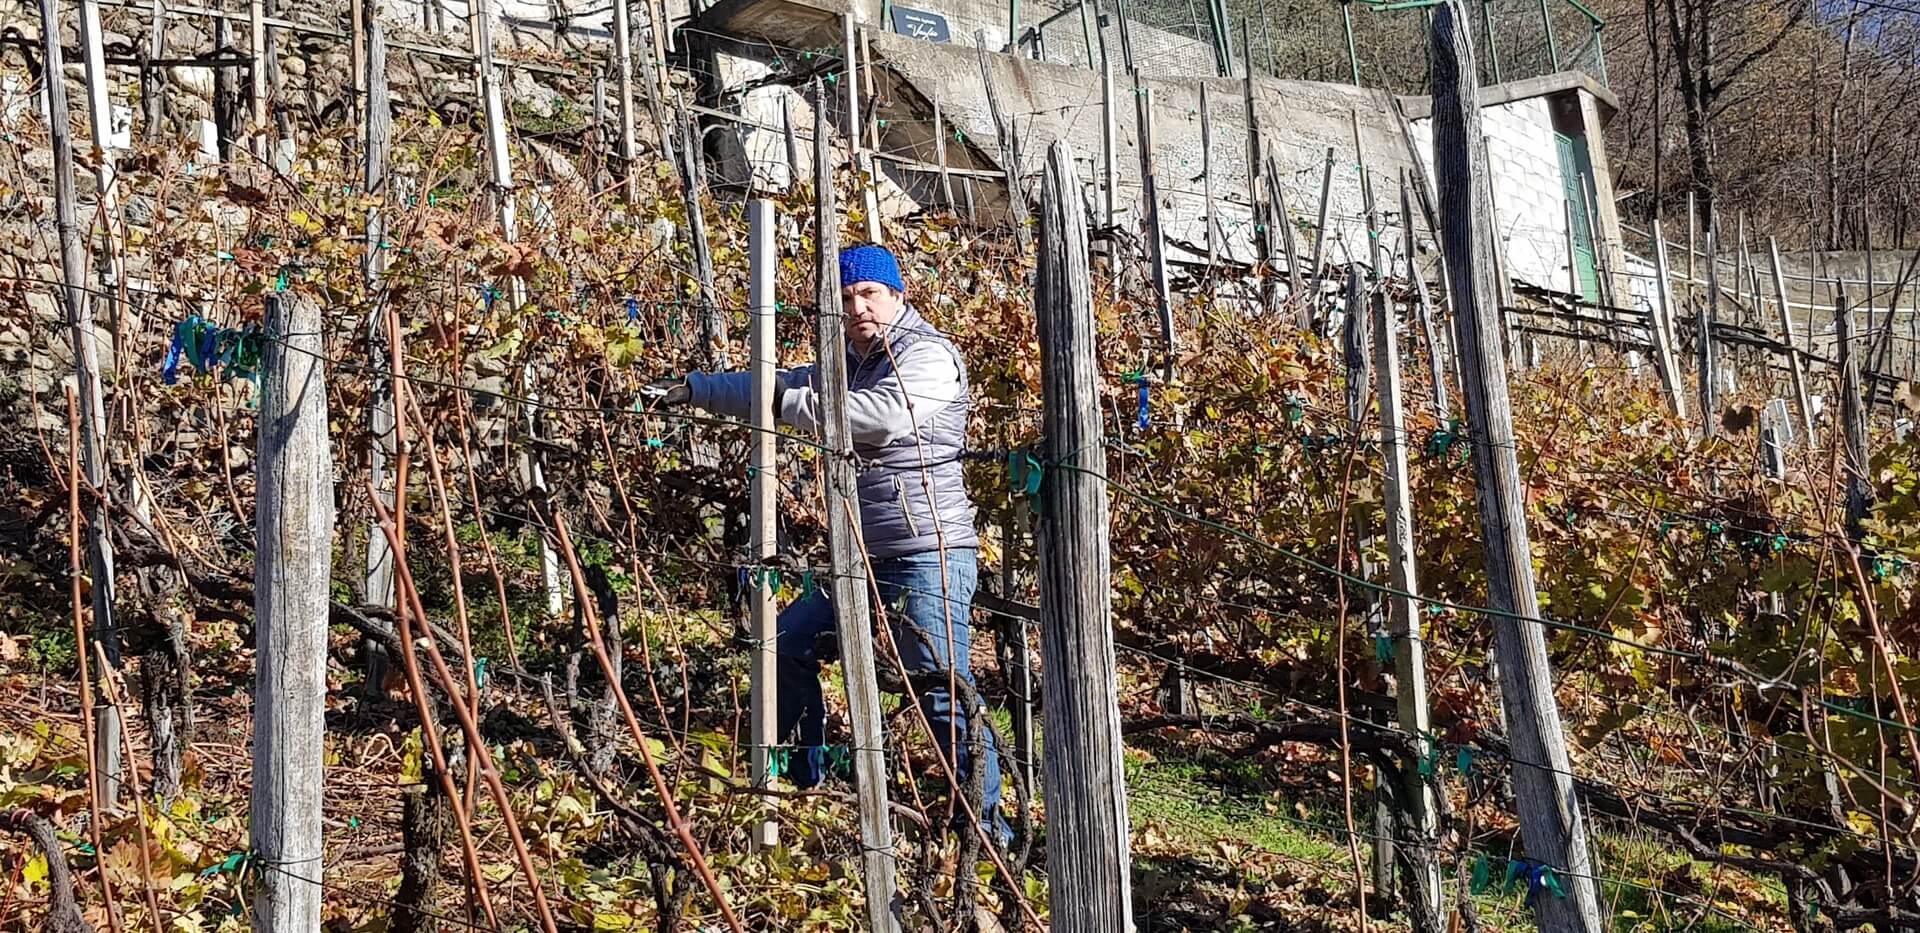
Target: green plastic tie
(1383, 647)
(1482, 875)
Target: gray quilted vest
(897, 516)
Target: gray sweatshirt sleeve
(730, 395)
(926, 376)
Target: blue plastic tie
(1146, 392)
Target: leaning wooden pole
(1550, 815)
(1155, 233)
(86, 371)
(1663, 330)
(849, 583)
(1794, 365)
(1088, 860)
(293, 563)
(763, 513)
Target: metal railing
(1378, 43)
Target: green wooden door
(1574, 172)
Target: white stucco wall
(1528, 189)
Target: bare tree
(1707, 70)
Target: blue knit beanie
(870, 263)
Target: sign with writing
(921, 25)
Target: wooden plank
(1550, 814)
(1088, 860)
(293, 562)
(849, 584)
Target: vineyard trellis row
(567, 377)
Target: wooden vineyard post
(762, 508)
(86, 371)
(623, 77)
(1550, 815)
(1320, 237)
(1087, 833)
(849, 592)
(500, 166)
(940, 155)
(713, 320)
(1663, 330)
(1422, 305)
(100, 115)
(1008, 136)
(1156, 241)
(1019, 649)
(293, 521)
(1421, 821)
(1853, 412)
(257, 133)
(1793, 353)
(1279, 217)
(1109, 150)
(862, 166)
(1206, 183)
(1706, 314)
(380, 413)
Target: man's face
(870, 307)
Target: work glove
(668, 393)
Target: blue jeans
(918, 614)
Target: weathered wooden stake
(1320, 236)
(1705, 317)
(849, 585)
(862, 162)
(1008, 136)
(1421, 820)
(293, 562)
(1206, 181)
(1853, 414)
(86, 371)
(713, 319)
(623, 78)
(1422, 305)
(1663, 330)
(1155, 235)
(763, 510)
(380, 414)
(1551, 819)
(500, 164)
(258, 134)
(1786, 337)
(1087, 830)
(1109, 146)
(940, 153)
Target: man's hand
(668, 393)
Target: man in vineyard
(907, 404)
